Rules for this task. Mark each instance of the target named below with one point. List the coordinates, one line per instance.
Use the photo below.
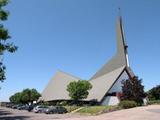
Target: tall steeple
(105, 82)
(121, 41)
(121, 57)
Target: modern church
(106, 83)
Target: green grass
(71, 108)
(95, 110)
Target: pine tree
(133, 90)
(4, 37)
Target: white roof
(56, 88)
(103, 84)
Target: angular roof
(56, 88)
(104, 79)
(119, 59)
(101, 82)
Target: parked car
(30, 107)
(22, 107)
(56, 109)
(40, 109)
(16, 106)
(9, 105)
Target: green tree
(4, 36)
(25, 97)
(154, 93)
(16, 98)
(29, 95)
(133, 90)
(78, 90)
(35, 95)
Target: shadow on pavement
(13, 118)
(3, 112)
(6, 115)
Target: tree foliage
(16, 98)
(26, 96)
(127, 104)
(154, 93)
(133, 90)
(78, 90)
(4, 36)
(30, 95)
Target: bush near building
(127, 104)
(152, 102)
(154, 93)
(71, 108)
(133, 90)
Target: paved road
(13, 114)
(140, 113)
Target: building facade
(106, 83)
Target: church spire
(120, 59)
(121, 41)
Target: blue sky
(78, 37)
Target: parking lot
(151, 112)
(14, 114)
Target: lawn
(95, 110)
(71, 108)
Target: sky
(78, 37)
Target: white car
(40, 109)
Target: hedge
(127, 104)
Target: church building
(106, 83)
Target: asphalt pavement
(151, 112)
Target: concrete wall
(110, 100)
(117, 87)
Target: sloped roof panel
(119, 59)
(102, 84)
(56, 88)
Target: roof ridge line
(109, 72)
(68, 74)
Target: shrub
(133, 90)
(154, 102)
(63, 103)
(71, 108)
(45, 103)
(127, 104)
(154, 93)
